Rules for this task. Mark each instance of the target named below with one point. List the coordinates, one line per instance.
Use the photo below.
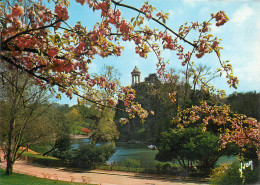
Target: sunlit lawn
(20, 179)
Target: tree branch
(156, 20)
(53, 83)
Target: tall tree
(23, 105)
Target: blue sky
(241, 39)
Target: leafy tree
(60, 141)
(90, 155)
(23, 109)
(74, 119)
(102, 125)
(61, 147)
(189, 147)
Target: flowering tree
(62, 59)
(233, 128)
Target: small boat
(152, 147)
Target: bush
(130, 163)
(251, 176)
(62, 147)
(226, 174)
(158, 166)
(166, 167)
(88, 155)
(39, 159)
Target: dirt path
(94, 176)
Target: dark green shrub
(130, 163)
(62, 147)
(88, 155)
(251, 176)
(42, 160)
(158, 166)
(226, 174)
(166, 167)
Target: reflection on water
(126, 150)
(135, 151)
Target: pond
(140, 152)
(126, 150)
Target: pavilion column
(135, 76)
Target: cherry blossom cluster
(132, 107)
(221, 18)
(162, 15)
(61, 12)
(206, 45)
(147, 10)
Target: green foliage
(62, 146)
(104, 128)
(43, 160)
(251, 176)
(100, 122)
(245, 103)
(166, 167)
(88, 155)
(187, 146)
(226, 174)
(130, 163)
(75, 120)
(117, 167)
(153, 95)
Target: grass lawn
(38, 156)
(20, 179)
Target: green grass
(20, 179)
(38, 156)
(39, 148)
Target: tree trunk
(9, 167)
(49, 151)
(9, 160)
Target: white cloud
(248, 74)
(191, 3)
(242, 14)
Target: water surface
(126, 150)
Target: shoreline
(79, 137)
